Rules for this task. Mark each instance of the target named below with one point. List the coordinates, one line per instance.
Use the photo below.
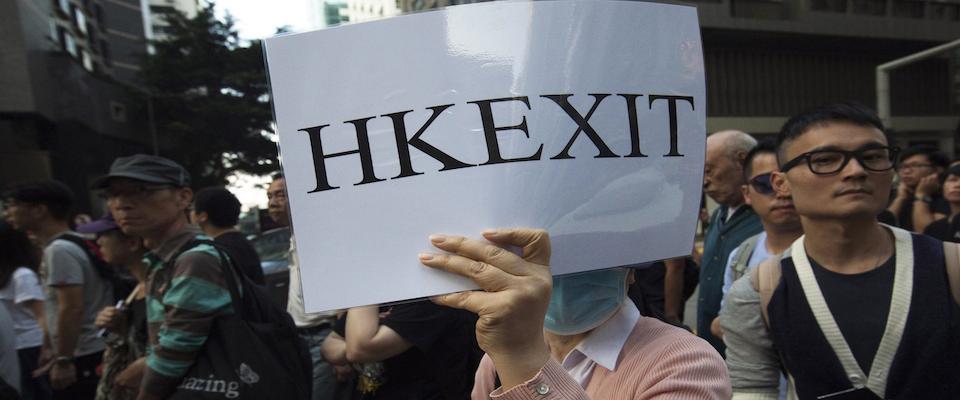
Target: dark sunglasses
(761, 183)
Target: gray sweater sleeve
(751, 359)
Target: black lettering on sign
(491, 133)
(582, 125)
(400, 132)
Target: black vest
(926, 364)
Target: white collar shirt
(603, 345)
(731, 211)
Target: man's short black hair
(934, 155)
(954, 170)
(57, 197)
(221, 206)
(276, 175)
(765, 146)
(849, 112)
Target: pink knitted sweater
(658, 361)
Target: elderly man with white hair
(730, 224)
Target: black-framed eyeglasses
(761, 184)
(135, 190)
(826, 162)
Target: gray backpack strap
(765, 278)
(744, 253)
(951, 254)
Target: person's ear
(201, 217)
(631, 276)
(780, 183)
(184, 198)
(745, 190)
(740, 156)
(39, 210)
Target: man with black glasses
(853, 309)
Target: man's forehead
(763, 163)
(835, 135)
(917, 157)
(277, 184)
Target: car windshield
(273, 245)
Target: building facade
(326, 13)
(368, 10)
(155, 27)
(768, 59)
(69, 105)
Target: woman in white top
(22, 297)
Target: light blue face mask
(581, 302)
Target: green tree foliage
(210, 98)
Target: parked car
(272, 247)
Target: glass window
(870, 7)
(945, 12)
(70, 44)
(908, 9)
(839, 6)
(87, 60)
(54, 32)
(98, 14)
(80, 19)
(105, 51)
(65, 6)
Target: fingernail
(437, 238)
(425, 256)
(489, 232)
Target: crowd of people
(828, 271)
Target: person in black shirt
(217, 212)
(854, 309)
(948, 229)
(918, 202)
(411, 351)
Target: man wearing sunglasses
(781, 224)
(833, 310)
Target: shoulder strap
(744, 254)
(765, 279)
(80, 242)
(951, 254)
(92, 253)
(226, 266)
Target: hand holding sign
(514, 301)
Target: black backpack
(122, 283)
(255, 353)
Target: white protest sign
(585, 118)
